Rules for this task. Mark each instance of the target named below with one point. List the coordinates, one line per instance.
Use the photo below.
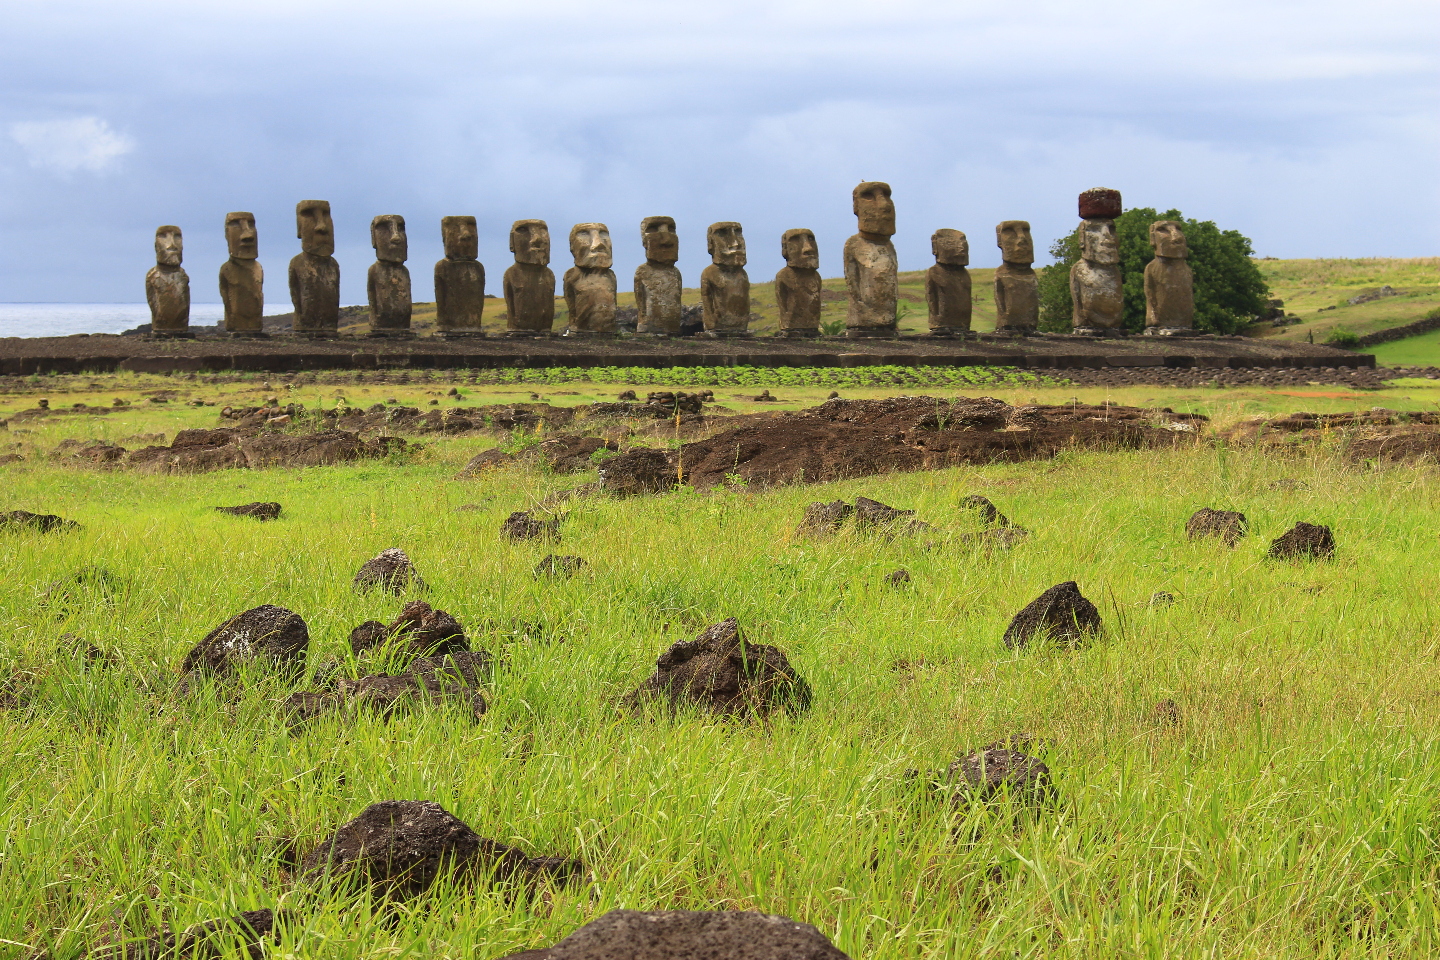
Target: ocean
(63, 319)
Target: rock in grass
(824, 519)
(243, 935)
(391, 570)
(39, 522)
(452, 679)
(998, 772)
(556, 565)
(899, 579)
(483, 461)
(1060, 614)
(521, 525)
(1304, 541)
(721, 673)
(698, 934)
(637, 472)
(420, 630)
(86, 584)
(399, 848)
(1227, 525)
(260, 511)
(989, 515)
(266, 633)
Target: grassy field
(1291, 812)
(1318, 292)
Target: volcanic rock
(260, 511)
(1060, 614)
(556, 565)
(900, 578)
(986, 510)
(205, 941)
(691, 934)
(391, 570)
(1304, 541)
(521, 525)
(420, 629)
(721, 673)
(264, 633)
(1227, 525)
(40, 522)
(824, 519)
(638, 471)
(998, 771)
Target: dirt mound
(1227, 525)
(555, 565)
(667, 934)
(855, 438)
(522, 525)
(998, 771)
(263, 633)
(260, 511)
(484, 460)
(1377, 434)
(638, 471)
(420, 631)
(988, 513)
(391, 570)
(41, 522)
(1304, 541)
(88, 451)
(658, 405)
(246, 931)
(450, 679)
(1060, 614)
(571, 454)
(200, 451)
(721, 673)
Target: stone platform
(102, 353)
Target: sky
(1311, 127)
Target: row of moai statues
(590, 287)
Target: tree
(1229, 289)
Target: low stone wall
(1400, 333)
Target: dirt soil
(1378, 434)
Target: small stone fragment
(1226, 525)
(260, 511)
(1304, 541)
(1166, 713)
(390, 570)
(899, 579)
(1161, 599)
(1060, 614)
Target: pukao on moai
(590, 284)
(314, 274)
(724, 285)
(947, 284)
(242, 281)
(797, 285)
(871, 269)
(1017, 291)
(529, 282)
(1096, 290)
(459, 280)
(657, 281)
(1169, 282)
(167, 288)
(388, 282)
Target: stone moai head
(169, 246)
(726, 244)
(240, 236)
(873, 206)
(1098, 243)
(530, 242)
(800, 250)
(662, 243)
(950, 246)
(1168, 239)
(461, 237)
(590, 246)
(387, 236)
(1100, 203)
(315, 228)
(1013, 239)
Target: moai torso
(315, 293)
(459, 296)
(872, 280)
(1017, 298)
(1097, 295)
(1169, 295)
(657, 298)
(167, 290)
(725, 299)
(529, 298)
(797, 294)
(590, 299)
(388, 286)
(242, 291)
(947, 293)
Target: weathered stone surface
(986, 510)
(1096, 289)
(522, 525)
(947, 283)
(797, 285)
(247, 931)
(391, 570)
(824, 519)
(483, 461)
(450, 679)
(1304, 541)
(1100, 203)
(999, 772)
(1227, 525)
(263, 633)
(1017, 291)
(1169, 282)
(724, 285)
(41, 522)
(571, 454)
(258, 510)
(314, 274)
(167, 287)
(558, 566)
(657, 282)
(242, 280)
(418, 631)
(459, 280)
(720, 672)
(1059, 615)
(590, 285)
(898, 579)
(639, 471)
(871, 267)
(529, 281)
(388, 282)
(694, 935)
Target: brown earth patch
(1377, 434)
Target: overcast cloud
(1313, 127)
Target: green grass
(1423, 350)
(1293, 811)
(1309, 287)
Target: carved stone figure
(871, 269)
(590, 284)
(1017, 292)
(388, 282)
(1169, 282)
(459, 280)
(314, 274)
(529, 282)
(167, 288)
(1096, 292)
(947, 284)
(724, 285)
(797, 285)
(657, 281)
(242, 281)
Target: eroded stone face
(315, 228)
(1014, 240)
(950, 247)
(1096, 287)
(590, 290)
(725, 243)
(590, 246)
(169, 246)
(459, 280)
(662, 243)
(240, 236)
(387, 236)
(872, 281)
(1168, 239)
(167, 287)
(1169, 282)
(1098, 243)
(461, 238)
(874, 207)
(530, 242)
(800, 250)
(529, 282)
(947, 284)
(797, 285)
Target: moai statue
(242, 281)
(314, 274)
(657, 281)
(388, 282)
(871, 270)
(1169, 283)
(167, 288)
(797, 285)
(724, 285)
(590, 284)
(529, 282)
(1017, 292)
(947, 284)
(459, 280)
(1096, 290)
